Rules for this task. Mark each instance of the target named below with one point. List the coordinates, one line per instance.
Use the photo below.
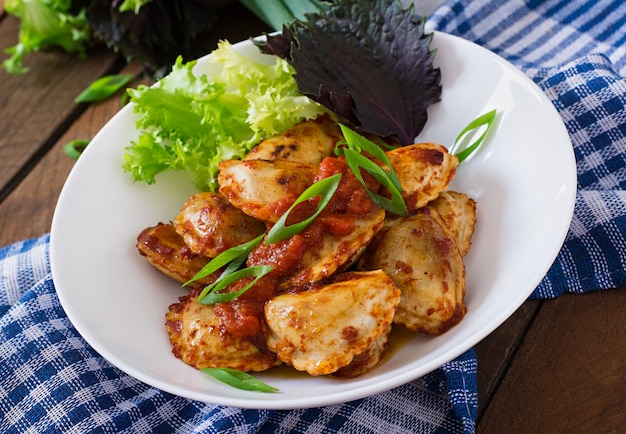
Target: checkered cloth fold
(576, 53)
(52, 381)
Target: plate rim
(257, 401)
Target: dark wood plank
(495, 352)
(28, 210)
(569, 375)
(554, 366)
(37, 106)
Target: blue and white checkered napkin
(576, 52)
(52, 381)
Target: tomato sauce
(243, 317)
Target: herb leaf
(369, 62)
(239, 379)
(103, 88)
(486, 121)
(325, 188)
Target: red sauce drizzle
(243, 317)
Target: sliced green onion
(355, 144)
(233, 257)
(358, 161)
(232, 266)
(324, 188)
(239, 379)
(486, 121)
(359, 143)
(75, 148)
(104, 87)
(211, 294)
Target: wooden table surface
(554, 366)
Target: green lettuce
(44, 24)
(191, 122)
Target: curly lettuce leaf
(43, 24)
(369, 62)
(191, 122)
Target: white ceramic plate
(524, 182)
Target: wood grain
(39, 105)
(496, 351)
(556, 366)
(39, 113)
(569, 375)
(33, 201)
